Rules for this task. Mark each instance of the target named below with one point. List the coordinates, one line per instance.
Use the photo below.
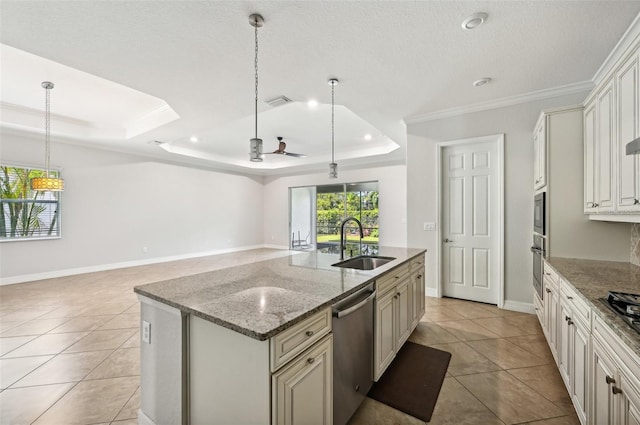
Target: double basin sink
(364, 262)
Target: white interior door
(470, 222)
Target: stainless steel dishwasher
(352, 327)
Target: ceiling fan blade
(296, 155)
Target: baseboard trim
(519, 306)
(431, 292)
(143, 419)
(103, 267)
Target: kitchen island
(215, 344)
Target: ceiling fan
(281, 150)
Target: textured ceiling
(395, 59)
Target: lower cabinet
(302, 389)
(399, 306)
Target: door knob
(447, 240)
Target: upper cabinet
(540, 154)
(611, 120)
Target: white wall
(116, 204)
(517, 123)
(391, 186)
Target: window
(318, 211)
(27, 214)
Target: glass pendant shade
(47, 184)
(255, 153)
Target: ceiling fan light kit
(333, 167)
(255, 144)
(47, 183)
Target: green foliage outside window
(26, 213)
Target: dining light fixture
(255, 144)
(333, 167)
(47, 183)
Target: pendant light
(333, 167)
(255, 144)
(47, 183)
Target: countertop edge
(271, 333)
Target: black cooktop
(626, 306)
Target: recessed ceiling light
(474, 21)
(193, 139)
(481, 81)
(367, 137)
(312, 104)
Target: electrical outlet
(429, 226)
(146, 332)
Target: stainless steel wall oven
(538, 250)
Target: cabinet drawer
(291, 342)
(579, 307)
(550, 275)
(417, 264)
(389, 279)
(629, 361)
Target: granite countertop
(262, 298)
(593, 280)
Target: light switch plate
(429, 226)
(146, 332)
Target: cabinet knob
(636, 202)
(310, 360)
(569, 298)
(398, 294)
(595, 205)
(609, 380)
(548, 290)
(590, 204)
(567, 318)
(447, 240)
(419, 276)
(616, 390)
(309, 333)
(570, 322)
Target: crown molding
(574, 88)
(630, 37)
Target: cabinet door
(602, 401)
(580, 370)
(540, 155)
(628, 178)
(606, 144)
(404, 301)
(551, 318)
(564, 344)
(385, 340)
(303, 390)
(590, 157)
(629, 401)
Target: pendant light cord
(47, 129)
(256, 68)
(333, 88)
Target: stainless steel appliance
(539, 213)
(626, 306)
(352, 353)
(538, 250)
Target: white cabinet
(615, 390)
(611, 120)
(540, 154)
(605, 147)
(550, 303)
(628, 175)
(399, 306)
(385, 342)
(590, 157)
(604, 375)
(303, 392)
(573, 359)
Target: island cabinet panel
(229, 376)
(303, 392)
(291, 342)
(385, 333)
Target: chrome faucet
(343, 245)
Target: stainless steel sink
(364, 262)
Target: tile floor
(69, 354)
